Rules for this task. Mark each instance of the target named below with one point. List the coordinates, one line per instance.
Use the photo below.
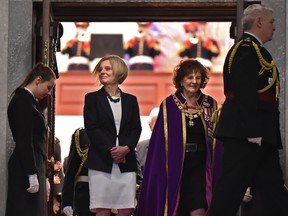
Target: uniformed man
(249, 121)
(75, 193)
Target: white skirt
(113, 190)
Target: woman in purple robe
(183, 158)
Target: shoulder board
(248, 39)
(246, 42)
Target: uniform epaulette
(247, 42)
(248, 39)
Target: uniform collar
(257, 38)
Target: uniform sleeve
(244, 74)
(70, 172)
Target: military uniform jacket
(251, 87)
(101, 130)
(74, 193)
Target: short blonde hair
(119, 67)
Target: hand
(33, 184)
(256, 140)
(56, 206)
(247, 197)
(118, 153)
(68, 210)
(58, 166)
(48, 188)
(56, 179)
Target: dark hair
(187, 67)
(41, 70)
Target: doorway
(122, 12)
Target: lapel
(180, 97)
(107, 109)
(200, 98)
(38, 109)
(35, 103)
(105, 104)
(125, 107)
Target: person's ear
(258, 21)
(150, 125)
(38, 79)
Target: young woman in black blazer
(28, 186)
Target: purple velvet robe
(163, 170)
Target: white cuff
(256, 140)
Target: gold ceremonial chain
(183, 108)
(82, 153)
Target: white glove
(68, 210)
(33, 184)
(247, 197)
(256, 140)
(48, 189)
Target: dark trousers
(246, 164)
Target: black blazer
(101, 130)
(244, 114)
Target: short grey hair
(251, 12)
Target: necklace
(114, 100)
(193, 116)
(184, 109)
